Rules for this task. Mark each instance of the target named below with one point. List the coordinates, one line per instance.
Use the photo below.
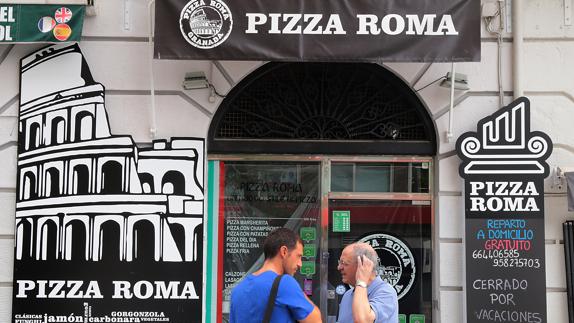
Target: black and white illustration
(504, 166)
(122, 222)
(504, 144)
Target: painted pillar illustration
(503, 165)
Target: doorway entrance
(338, 152)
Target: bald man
(371, 299)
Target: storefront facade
(339, 152)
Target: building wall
(116, 48)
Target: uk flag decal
(63, 15)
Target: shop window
(322, 108)
(386, 204)
(380, 177)
(258, 198)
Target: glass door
(399, 231)
(387, 205)
(257, 197)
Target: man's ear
(283, 251)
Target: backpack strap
(271, 301)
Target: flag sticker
(46, 24)
(62, 32)
(63, 15)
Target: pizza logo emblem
(397, 263)
(205, 24)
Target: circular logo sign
(62, 32)
(397, 262)
(205, 25)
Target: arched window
(84, 126)
(324, 108)
(34, 136)
(144, 241)
(109, 242)
(49, 241)
(58, 131)
(146, 179)
(53, 182)
(112, 176)
(24, 240)
(173, 182)
(81, 179)
(76, 241)
(29, 189)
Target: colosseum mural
(92, 205)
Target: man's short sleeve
(384, 303)
(291, 296)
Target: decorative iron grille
(322, 102)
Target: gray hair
(365, 249)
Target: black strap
(271, 301)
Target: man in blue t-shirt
(283, 251)
(371, 299)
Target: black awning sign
(360, 30)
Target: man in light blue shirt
(371, 299)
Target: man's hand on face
(364, 269)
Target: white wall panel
(449, 180)
(11, 110)
(451, 263)
(10, 71)
(451, 307)
(129, 115)
(555, 270)
(239, 69)
(7, 212)
(109, 19)
(451, 213)
(8, 169)
(5, 304)
(466, 116)
(406, 71)
(6, 259)
(556, 213)
(547, 113)
(548, 66)
(482, 76)
(557, 307)
(549, 24)
(8, 129)
(177, 118)
(562, 156)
